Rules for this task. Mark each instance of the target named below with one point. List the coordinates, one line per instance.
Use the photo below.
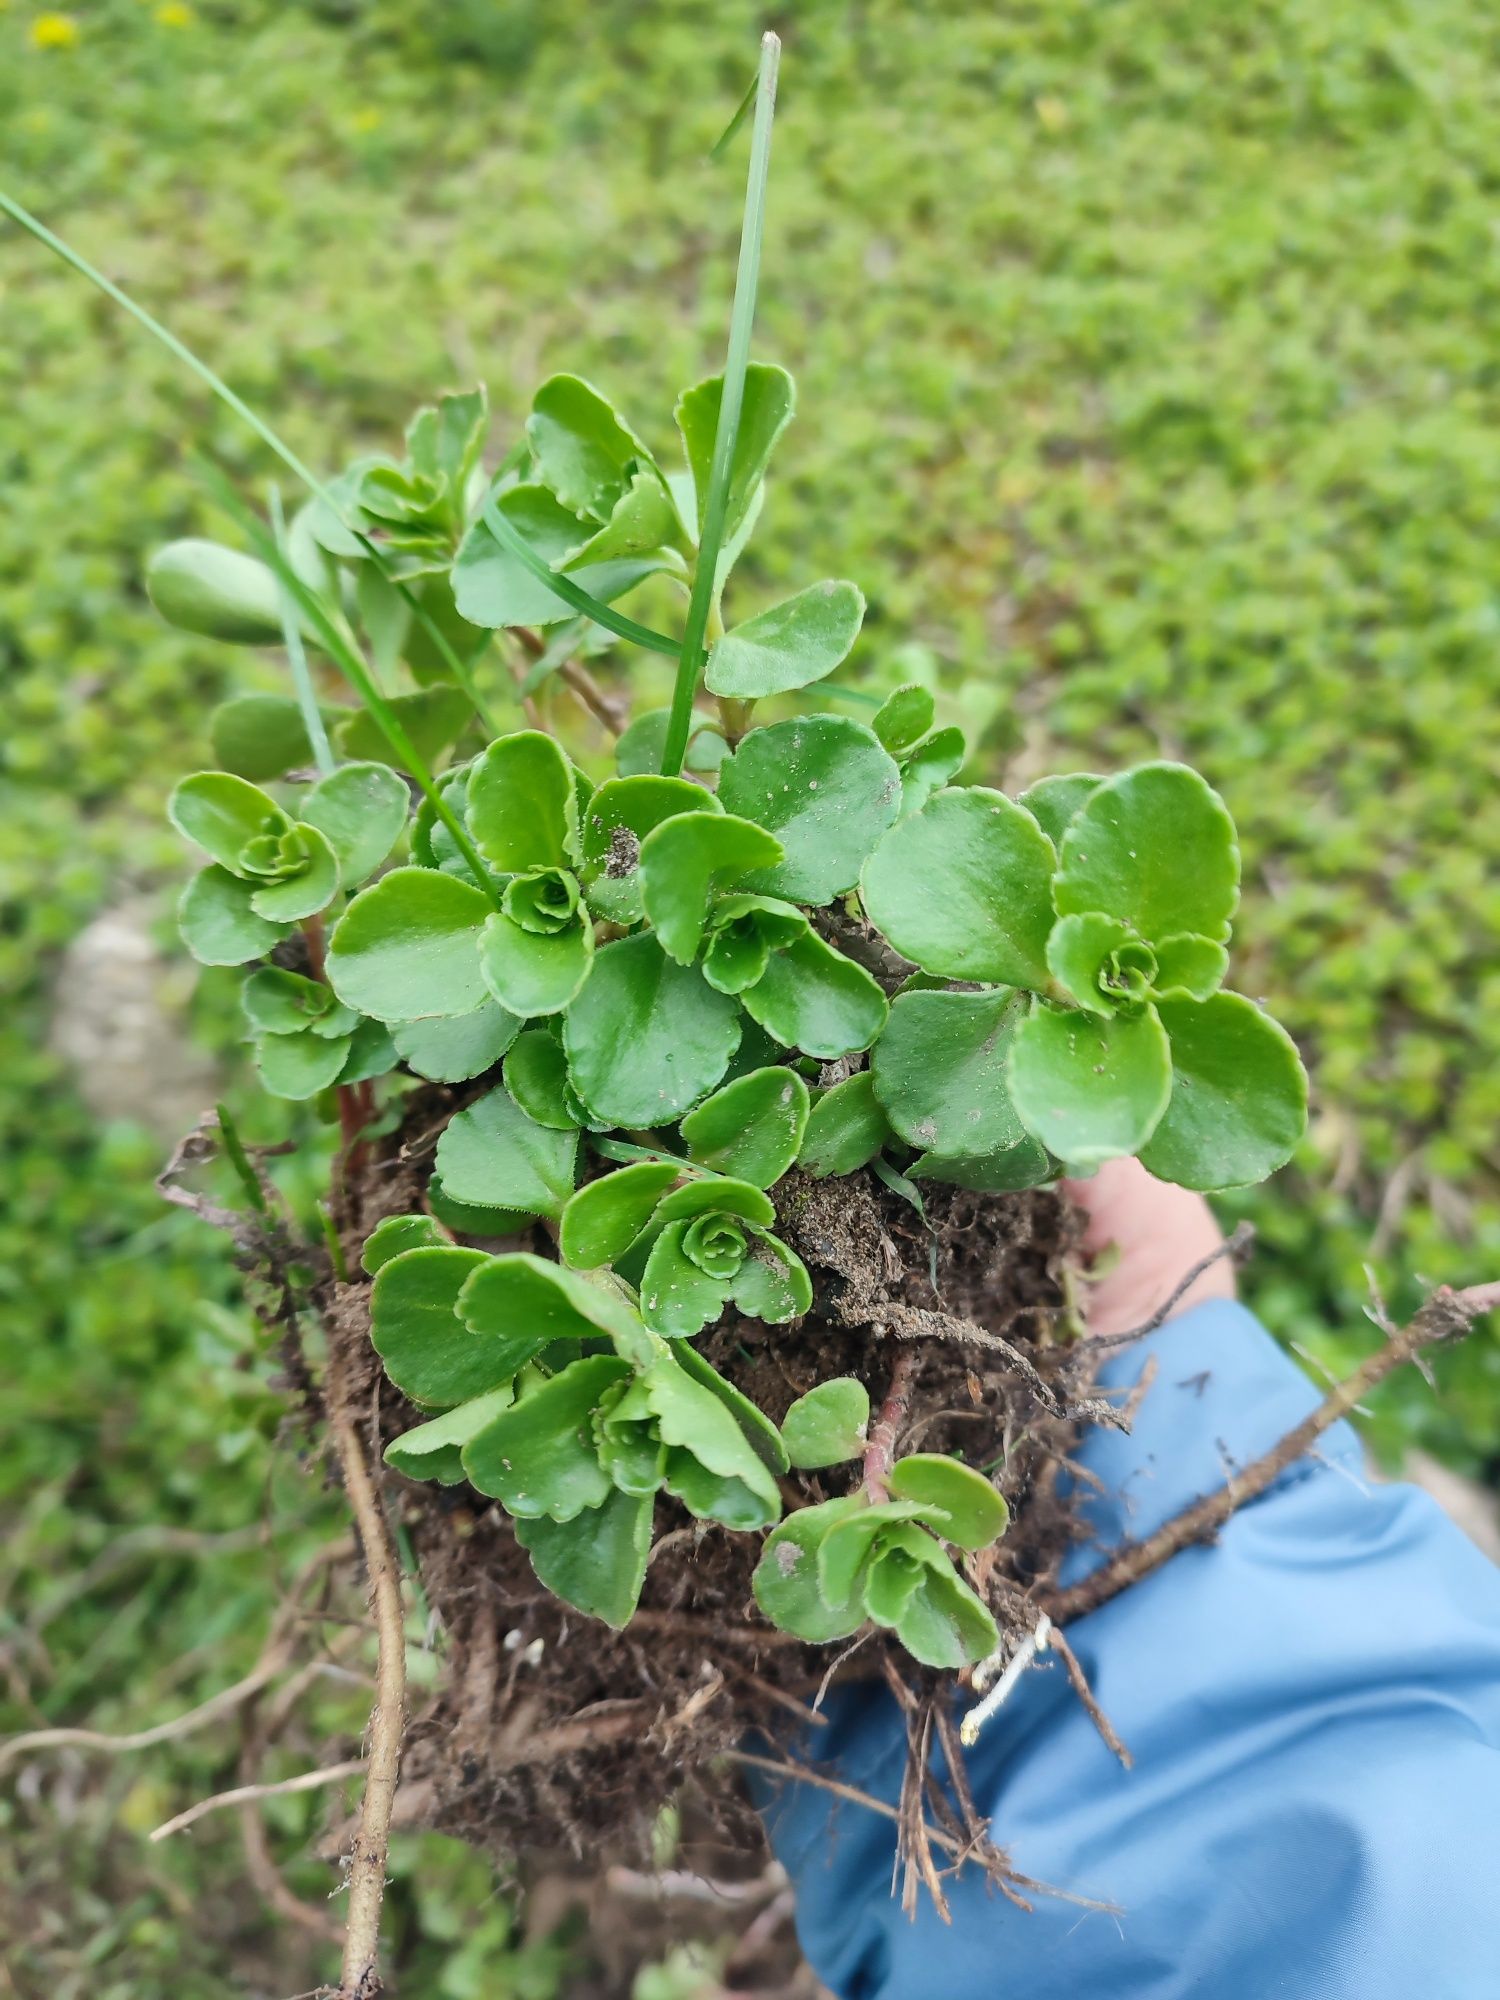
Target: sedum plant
(762, 937)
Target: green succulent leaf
(407, 948)
(684, 859)
(619, 817)
(977, 1515)
(396, 1233)
(361, 809)
(493, 1154)
(769, 400)
(203, 587)
(639, 751)
(693, 1420)
(584, 450)
(460, 1047)
(1026, 1164)
(530, 971)
(678, 1296)
(772, 1283)
(522, 803)
(371, 1052)
(827, 1425)
(1055, 802)
(752, 1128)
(597, 1563)
(939, 1070)
(223, 815)
(217, 923)
(260, 736)
(763, 1435)
(1101, 962)
(932, 765)
(790, 646)
(1090, 1088)
(942, 1622)
(1156, 848)
(307, 877)
(1189, 968)
(846, 1128)
(494, 587)
(602, 1220)
(852, 1547)
(1239, 1095)
(435, 1450)
(283, 1003)
(299, 1066)
(529, 1302)
(646, 1038)
(434, 718)
(538, 1456)
(709, 1192)
(786, 1583)
(904, 718)
(963, 889)
(428, 1351)
(743, 931)
(825, 787)
(811, 997)
(472, 1218)
(536, 1075)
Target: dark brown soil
(552, 1736)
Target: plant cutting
(704, 1070)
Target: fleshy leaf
(943, 1623)
(977, 1515)
(1026, 1164)
(963, 889)
(434, 718)
(528, 1302)
(750, 1129)
(407, 948)
(361, 809)
(772, 1284)
(522, 806)
(692, 1418)
(618, 818)
(299, 1066)
(597, 1563)
(904, 718)
(283, 1003)
(852, 1546)
(769, 400)
(1080, 953)
(939, 1070)
(846, 1128)
(260, 736)
(827, 1425)
(492, 587)
(1090, 1089)
(492, 1153)
(786, 1583)
(603, 1219)
(811, 997)
(933, 764)
(371, 1052)
(530, 972)
(584, 450)
(790, 646)
(743, 932)
(311, 888)
(396, 1233)
(473, 1218)
(203, 587)
(222, 814)
(1189, 968)
(536, 1075)
(1239, 1095)
(763, 1435)
(1054, 802)
(825, 787)
(217, 923)
(678, 1297)
(701, 1196)
(681, 863)
(460, 1047)
(639, 751)
(646, 1038)
(1155, 847)
(539, 1456)
(428, 1351)
(435, 1450)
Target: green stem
(731, 401)
(239, 1159)
(79, 263)
(291, 632)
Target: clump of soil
(551, 1735)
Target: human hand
(1157, 1233)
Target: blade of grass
(725, 139)
(79, 263)
(291, 632)
(731, 400)
(347, 657)
(510, 537)
(239, 1159)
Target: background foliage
(1145, 390)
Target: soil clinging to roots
(551, 1736)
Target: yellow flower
(172, 14)
(54, 31)
(366, 119)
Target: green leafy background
(1146, 389)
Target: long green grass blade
(350, 662)
(296, 653)
(716, 504)
(510, 537)
(79, 263)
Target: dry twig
(239, 1795)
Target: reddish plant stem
(880, 1446)
(575, 675)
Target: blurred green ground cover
(1148, 386)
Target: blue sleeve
(1313, 1704)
